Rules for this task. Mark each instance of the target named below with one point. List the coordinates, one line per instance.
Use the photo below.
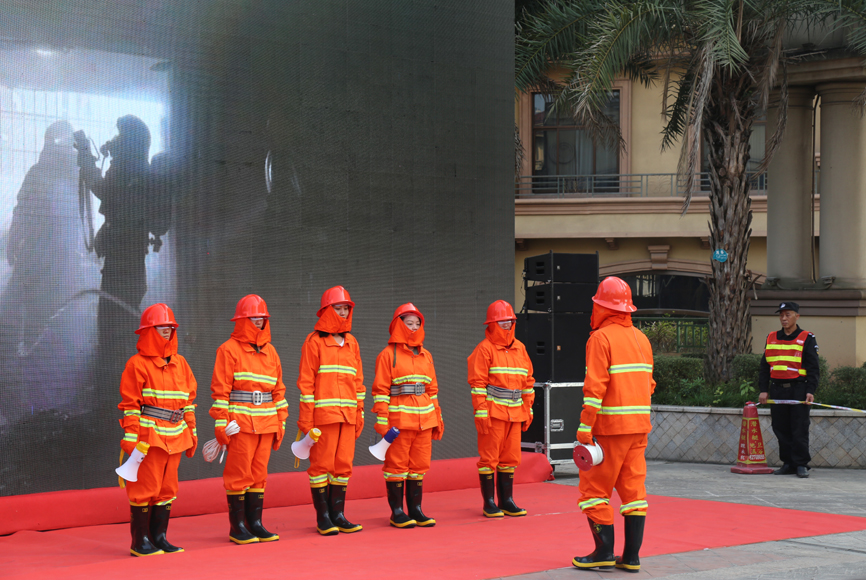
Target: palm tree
(717, 61)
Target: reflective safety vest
(406, 411)
(507, 370)
(619, 380)
(331, 381)
(785, 357)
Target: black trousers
(791, 423)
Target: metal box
(556, 413)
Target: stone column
(789, 203)
(843, 186)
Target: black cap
(788, 306)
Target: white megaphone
(301, 449)
(129, 470)
(379, 449)
(587, 456)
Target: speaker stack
(554, 322)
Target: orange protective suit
(248, 362)
(500, 360)
(331, 381)
(418, 417)
(616, 410)
(149, 380)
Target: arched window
(666, 293)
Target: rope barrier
(794, 402)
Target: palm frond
(700, 93)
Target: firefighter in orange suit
(500, 375)
(247, 387)
(406, 396)
(616, 411)
(157, 393)
(331, 382)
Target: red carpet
(458, 547)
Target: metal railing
(668, 334)
(616, 185)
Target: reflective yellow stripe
(220, 404)
(253, 411)
(411, 379)
(361, 396)
(189, 409)
(630, 410)
(630, 368)
(408, 409)
(481, 413)
(482, 391)
(627, 507)
(337, 480)
(308, 398)
(336, 403)
(246, 376)
(133, 413)
(592, 402)
(282, 404)
(527, 391)
(164, 394)
(772, 359)
(592, 502)
(506, 402)
(130, 437)
(338, 369)
(508, 371)
(221, 423)
(381, 420)
(400, 475)
(584, 429)
(163, 430)
(381, 399)
(785, 347)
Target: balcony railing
(616, 185)
(668, 334)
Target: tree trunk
(727, 127)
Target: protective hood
(400, 333)
(332, 323)
(150, 343)
(245, 331)
(602, 316)
(498, 335)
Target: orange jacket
(501, 366)
(415, 412)
(331, 381)
(149, 380)
(619, 377)
(239, 367)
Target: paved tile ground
(832, 557)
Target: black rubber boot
(139, 528)
(254, 502)
(414, 494)
(629, 561)
(238, 532)
(399, 519)
(487, 490)
(158, 526)
(505, 489)
(324, 525)
(602, 558)
(336, 505)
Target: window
(560, 147)
(668, 292)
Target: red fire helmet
(614, 293)
(158, 314)
(251, 306)
(403, 310)
(334, 296)
(499, 311)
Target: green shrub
(846, 387)
(746, 367)
(662, 335)
(669, 373)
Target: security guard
(790, 371)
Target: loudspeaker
(560, 297)
(556, 344)
(301, 449)
(381, 448)
(554, 267)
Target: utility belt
(408, 389)
(503, 393)
(254, 397)
(172, 416)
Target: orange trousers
(247, 461)
(332, 455)
(157, 479)
(623, 468)
(409, 455)
(500, 448)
